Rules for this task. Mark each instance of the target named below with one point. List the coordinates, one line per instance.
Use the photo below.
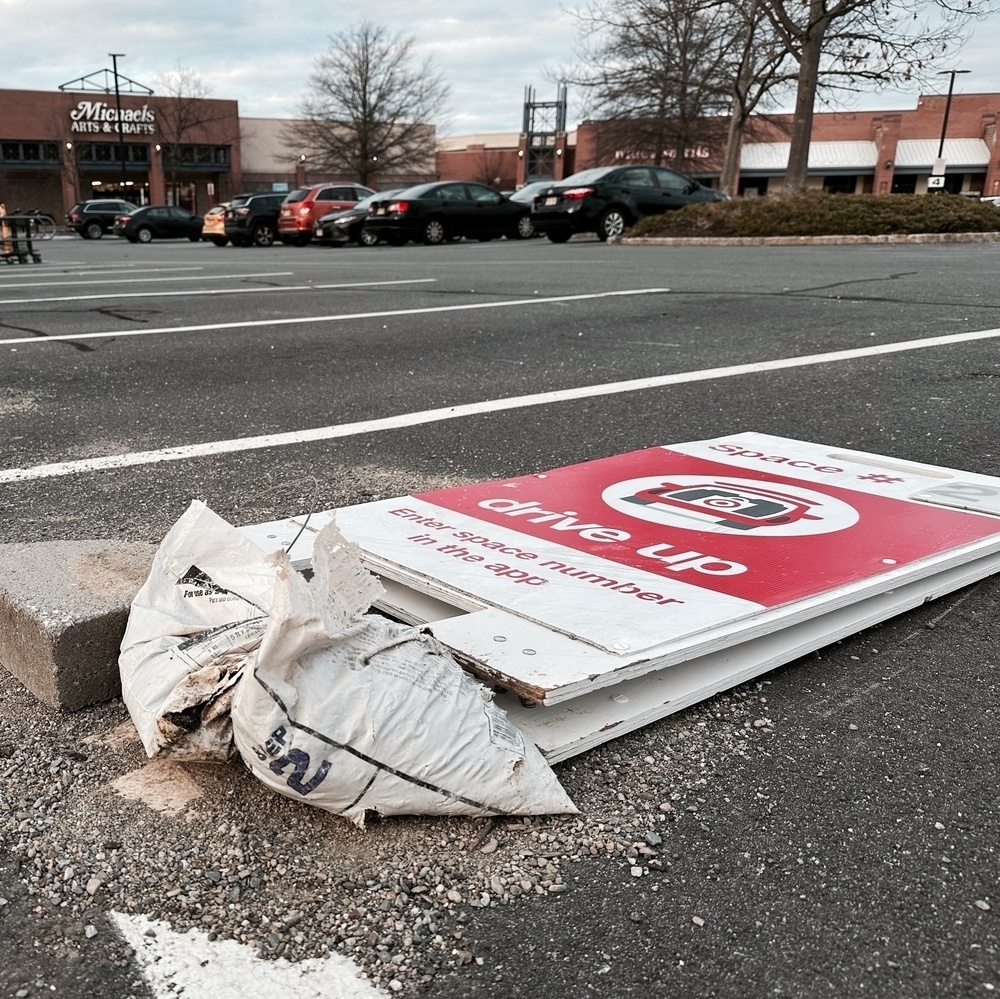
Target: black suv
(253, 219)
(94, 219)
(607, 200)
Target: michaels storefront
(60, 148)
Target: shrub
(821, 214)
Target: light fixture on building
(558, 152)
(302, 157)
(888, 164)
(520, 154)
(69, 145)
(157, 147)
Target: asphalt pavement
(829, 829)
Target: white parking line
(128, 280)
(191, 293)
(190, 964)
(212, 448)
(120, 269)
(343, 317)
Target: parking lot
(829, 829)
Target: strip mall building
(60, 148)
(57, 148)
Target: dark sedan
(158, 222)
(348, 226)
(607, 200)
(434, 213)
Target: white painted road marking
(89, 283)
(212, 448)
(6, 282)
(189, 964)
(191, 293)
(343, 317)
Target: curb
(889, 238)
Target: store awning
(824, 157)
(916, 154)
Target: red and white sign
(671, 544)
(755, 534)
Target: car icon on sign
(726, 504)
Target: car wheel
(220, 240)
(524, 228)
(263, 234)
(612, 223)
(558, 235)
(93, 230)
(367, 238)
(144, 234)
(397, 239)
(433, 232)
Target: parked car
(436, 212)
(93, 219)
(253, 218)
(304, 207)
(213, 228)
(348, 226)
(607, 200)
(526, 194)
(158, 222)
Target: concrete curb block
(63, 610)
(892, 238)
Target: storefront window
(840, 185)
(203, 157)
(29, 152)
(109, 152)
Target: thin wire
(311, 504)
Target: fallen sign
(616, 591)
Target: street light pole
(115, 56)
(952, 73)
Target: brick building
(881, 152)
(58, 148)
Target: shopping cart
(20, 231)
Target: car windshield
(586, 176)
(372, 198)
(418, 191)
(527, 193)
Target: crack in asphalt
(41, 335)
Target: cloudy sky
(261, 53)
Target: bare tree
(855, 44)
(490, 168)
(370, 109)
(763, 69)
(180, 115)
(658, 73)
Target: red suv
(302, 209)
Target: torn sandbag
(354, 713)
(199, 615)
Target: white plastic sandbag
(354, 713)
(191, 629)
